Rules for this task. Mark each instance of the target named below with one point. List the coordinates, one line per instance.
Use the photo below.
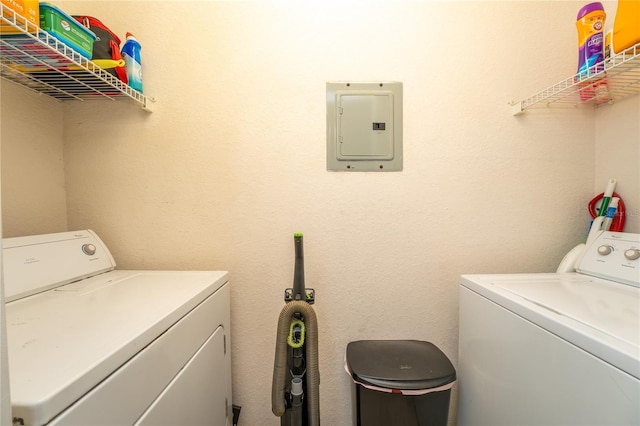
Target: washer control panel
(35, 263)
(614, 256)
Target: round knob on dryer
(604, 250)
(632, 254)
(89, 249)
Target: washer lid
(399, 364)
(64, 341)
(597, 315)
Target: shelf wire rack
(38, 61)
(613, 79)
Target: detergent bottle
(626, 25)
(133, 65)
(590, 25)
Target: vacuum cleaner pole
(299, 291)
(298, 273)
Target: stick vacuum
(296, 377)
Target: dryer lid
(64, 341)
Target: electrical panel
(364, 126)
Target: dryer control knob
(604, 250)
(89, 249)
(632, 254)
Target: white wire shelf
(615, 78)
(35, 60)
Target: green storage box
(66, 29)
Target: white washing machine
(554, 349)
(92, 345)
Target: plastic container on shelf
(626, 25)
(66, 29)
(133, 64)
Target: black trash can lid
(399, 364)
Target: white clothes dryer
(551, 348)
(92, 345)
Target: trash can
(399, 382)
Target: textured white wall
(232, 163)
(33, 185)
